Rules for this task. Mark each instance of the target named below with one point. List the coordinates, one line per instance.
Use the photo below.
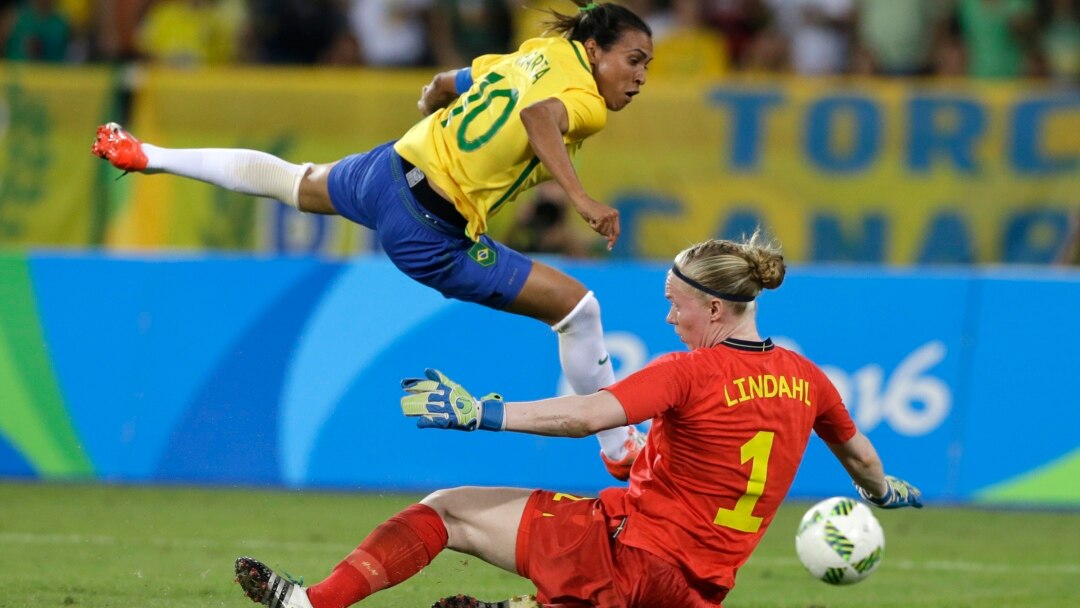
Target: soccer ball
(840, 541)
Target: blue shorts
(370, 189)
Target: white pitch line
(30, 538)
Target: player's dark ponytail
(604, 22)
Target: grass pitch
(120, 547)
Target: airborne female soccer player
(491, 131)
(731, 420)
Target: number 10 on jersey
(488, 96)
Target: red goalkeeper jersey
(730, 425)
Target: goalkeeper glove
(898, 493)
(439, 402)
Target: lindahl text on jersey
(766, 386)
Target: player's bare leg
(482, 522)
(572, 311)
(314, 193)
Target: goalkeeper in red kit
(731, 420)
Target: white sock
(298, 598)
(587, 365)
(244, 171)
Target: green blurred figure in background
(37, 31)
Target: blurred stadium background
(919, 160)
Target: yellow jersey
(476, 149)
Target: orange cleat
(620, 469)
(119, 147)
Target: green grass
(118, 547)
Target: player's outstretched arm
(862, 463)
(545, 123)
(436, 401)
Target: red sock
(393, 552)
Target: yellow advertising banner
(847, 170)
(891, 171)
(50, 185)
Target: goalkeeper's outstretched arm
(862, 463)
(567, 416)
(436, 401)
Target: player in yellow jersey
(490, 131)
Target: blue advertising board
(285, 372)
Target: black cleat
(263, 586)
(465, 601)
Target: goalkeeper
(731, 420)
(491, 131)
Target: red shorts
(565, 546)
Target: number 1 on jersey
(742, 517)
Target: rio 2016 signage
(909, 399)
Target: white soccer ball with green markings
(840, 541)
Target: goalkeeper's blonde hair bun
(743, 268)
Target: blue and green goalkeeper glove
(898, 493)
(441, 403)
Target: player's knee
(313, 190)
(572, 296)
(452, 506)
(436, 500)
(584, 315)
(549, 294)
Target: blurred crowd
(978, 38)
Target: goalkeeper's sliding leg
(482, 522)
